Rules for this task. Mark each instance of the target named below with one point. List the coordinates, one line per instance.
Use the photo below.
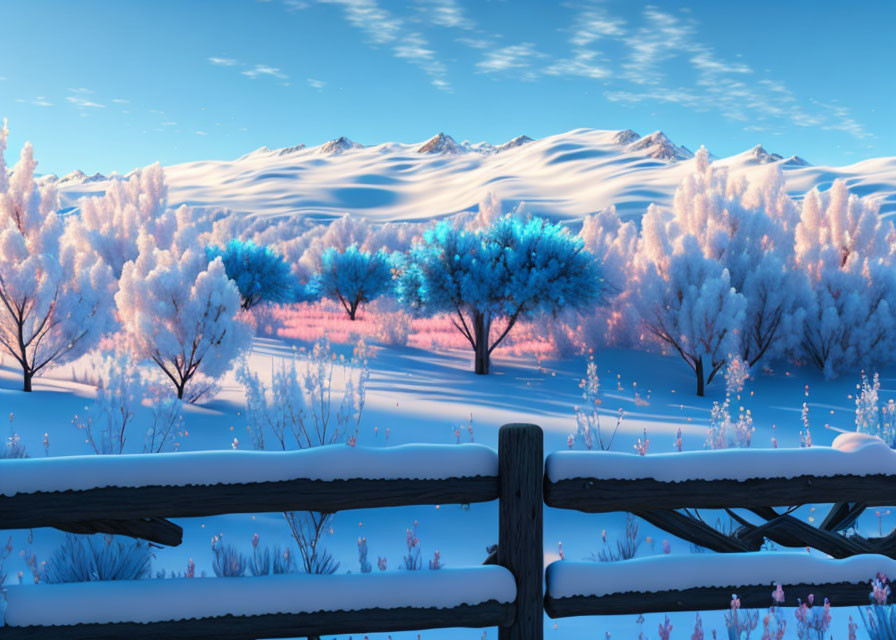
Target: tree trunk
(481, 328)
(351, 313)
(698, 369)
(28, 375)
(180, 389)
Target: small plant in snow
(4, 554)
(774, 624)
(228, 562)
(412, 561)
(381, 563)
(625, 548)
(14, 448)
(167, 429)
(362, 556)
(436, 563)
(468, 427)
(872, 418)
(812, 622)
(724, 432)
(642, 444)
(805, 433)
(740, 623)
(588, 415)
(93, 558)
(880, 617)
(665, 629)
(698, 629)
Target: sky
(102, 85)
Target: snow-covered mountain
(564, 176)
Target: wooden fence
(522, 487)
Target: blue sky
(103, 85)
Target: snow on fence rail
(854, 473)
(133, 495)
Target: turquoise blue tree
(353, 277)
(509, 270)
(260, 274)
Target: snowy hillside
(564, 176)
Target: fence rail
(523, 482)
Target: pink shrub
(386, 325)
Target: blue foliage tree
(508, 270)
(260, 274)
(353, 277)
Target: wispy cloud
(516, 56)
(260, 70)
(223, 62)
(120, 101)
(201, 133)
(41, 101)
(84, 103)
(444, 13)
(314, 83)
(385, 29)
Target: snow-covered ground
(563, 177)
(421, 397)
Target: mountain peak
(758, 155)
(339, 145)
(657, 145)
(626, 137)
(516, 142)
(285, 151)
(441, 143)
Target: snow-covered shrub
(812, 622)
(97, 557)
(299, 412)
(724, 432)
(228, 562)
(353, 277)
(120, 391)
(55, 294)
(260, 274)
(614, 244)
(684, 299)
(178, 310)
(167, 428)
(872, 417)
(112, 222)
(507, 271)
(740, 624)
(880, 617)
(845, 248)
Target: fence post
(520, 545)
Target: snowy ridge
(336, 462)
(147, 601)
(563, 176)
(687, 571)
(853, 454)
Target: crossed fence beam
(522, 488)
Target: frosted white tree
(685, 299)
(848, 253)
(747, 226)
(180, 310)
(613, 243)
(54, 297)
(112, 222)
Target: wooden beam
(61, 509)
(595, 495)
(156, 530)
(520, 544)
(319, 623)
(704, 599)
